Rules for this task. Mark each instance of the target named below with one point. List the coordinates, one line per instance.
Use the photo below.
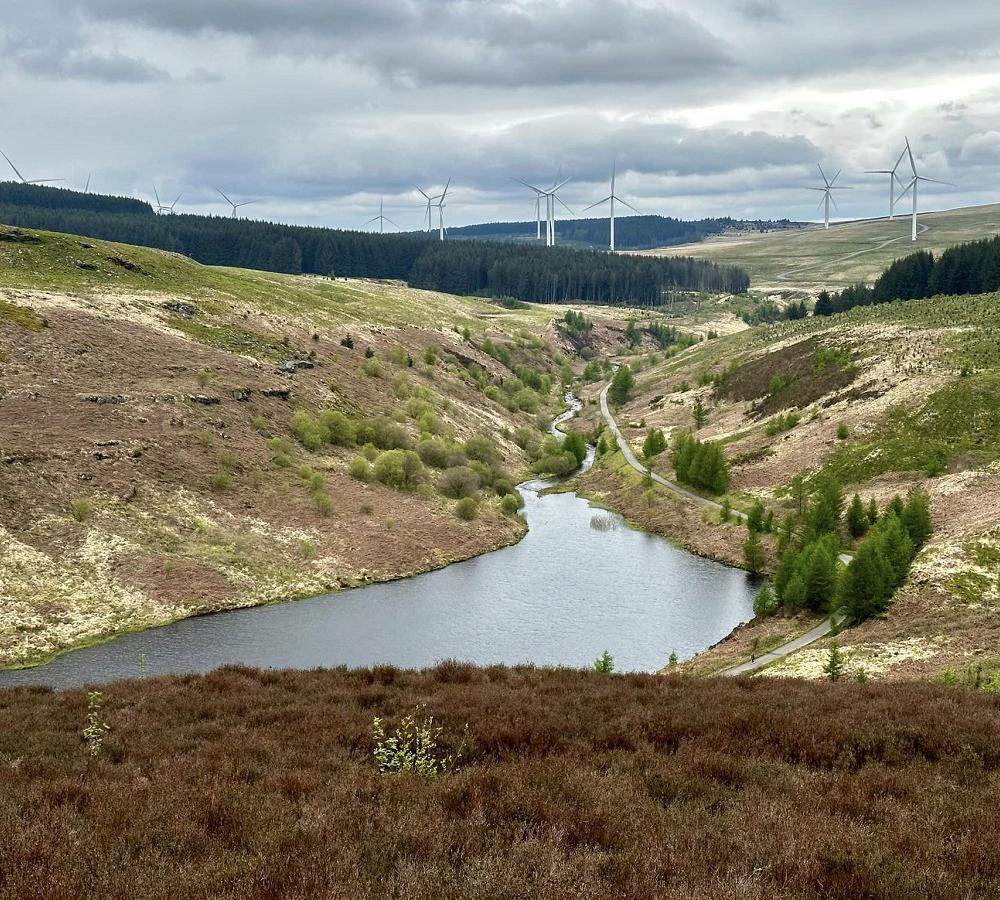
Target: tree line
(631, 232)
(970, 268)
(521, 272)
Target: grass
(960, 421)
(244, 783)
(814, 258)
(21, 315)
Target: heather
(244, 783)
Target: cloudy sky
(318, 107)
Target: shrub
(526, 400)
(203, 377)
(80, 509)
(483, 448)
(415, 407)
(725, 510)
(372, 367)
(323, 502)
(361, 469)
(280, 452)
(221, 480)
(843, 432)
(576, 444)
(389, 435)
(433, 452)
(459, 482)
(605, 663)
(96, 728)
(511, 503)
(308, 431)
(399, 469)
(412, 748)
(370, 451)
(347, 341)
(467, 508)
(339, 428)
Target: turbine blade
(18, 174)
(913, 165)
(156, 194)
(833, 200)
(224, 197)
(390, 221)
(561, 183)
(421, 191)
(629, 205)
(879, 172)
(592, 205)
(446, 186)
(531, 187)
(902, 153)
(821, 172)
(563, 205)
(835, 177)
(935, 181)
(370, 221)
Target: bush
(361, 469)
(370, 452)
(459, 482)
(80, 509)
(434, 452)
(389, 435)
(576, 444)
(482, 448)
(339, 428)
(654, 444)
(765, 603)
(511, 503)
(221, 480)
(413, 748)
(347, 341)
(843, 432)
(372, 367)
(323, 503)
(399, 469)
(310, 433)
(467, 509)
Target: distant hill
(487, 268)
(631, 232)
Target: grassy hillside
(813, 258)
(162, 451)
(885, 398)
(565, 783)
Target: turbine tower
(235, 206)
(612, 197)
(912, 188)
(440, 209)
(24, 180)
(381, 219)
(893, 179)
(828, 189)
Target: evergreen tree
(754, 554)
(857, 518)
(700, 414)
(818, 567)
(872, 511)
(621, 385)
(765, 602)
(755, 518)
(654, 444)
(917, 517)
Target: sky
(317, 108)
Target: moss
(22, 316)
(970, 587)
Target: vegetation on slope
(563, 783)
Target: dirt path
(814, 634)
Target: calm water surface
(579, 582)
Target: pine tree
(834, 665)
(872, 511)
(699, 413)
(621, 385)
(754, 554)
(917, 517)
(765, 602)
(857, 518)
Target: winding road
(814, 634)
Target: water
(581, 581)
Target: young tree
(699, 413)
(621, 385)
(605, 663)
(754, 554)
(755, 518)
(765, 602)
(818, 567)
(857, 518)
(917, 517)
(576, 444)
(795, 592)
(867, 583)
(654, 444)
(872, 511)
(834, 665)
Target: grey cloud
(760, 11)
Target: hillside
(885, 399)
(176, 439)
(565, 783)
(812, 258)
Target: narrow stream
(581, 581)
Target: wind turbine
(427, 215)
(24, 180)
(551, 199)
(828, 189)
(86, 187)
(893, 179)
(440, 209)
(380, 219)
(235, 206)
(612, 197)
(912, 188)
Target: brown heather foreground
(244, 783)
